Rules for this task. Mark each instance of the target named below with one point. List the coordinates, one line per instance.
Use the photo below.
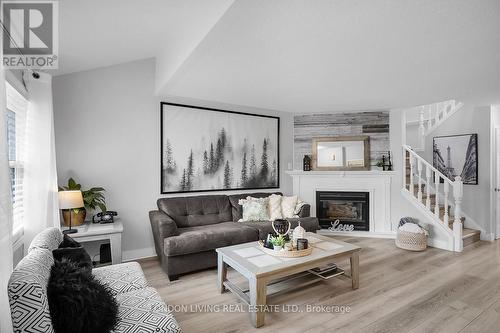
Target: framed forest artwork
(204, 149)
(456, 155)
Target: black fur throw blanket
(78, 302)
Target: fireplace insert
(350, 208)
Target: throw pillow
(288, 206)
(78, 303)
(74, 251)
(298, 207)
(275, 207)
(254, 209)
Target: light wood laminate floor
(400, 291)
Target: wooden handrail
(408, 149)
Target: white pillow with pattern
(288, 206)
(254, 209)
(298, 207)
(275, 207)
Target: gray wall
(315, 125)
(107, 134)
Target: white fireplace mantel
(375, 182)
(373, 173)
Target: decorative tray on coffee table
(294, 253)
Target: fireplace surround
(350, 208)
(376, 183)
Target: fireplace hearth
(350, 208)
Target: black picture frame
(162, 150)
(472, 161)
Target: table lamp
(70, 200)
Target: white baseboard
(487, 237)
(326, 232)
(439, 244)
(131, 255)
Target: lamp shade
(70, 199)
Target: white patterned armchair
(140, 308)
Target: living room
(236, 165)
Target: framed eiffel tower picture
(456, 155)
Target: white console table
(90, 232)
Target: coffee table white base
(260, 277)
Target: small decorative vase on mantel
(306, 163)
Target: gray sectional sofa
(187, 230)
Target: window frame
(17, 103)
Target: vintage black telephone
(104, 217)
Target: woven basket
(411, 241)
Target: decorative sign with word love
(337, 226)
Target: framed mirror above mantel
(341, 153)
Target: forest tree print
(207, 150)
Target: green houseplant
(92, 198)
(277, 241)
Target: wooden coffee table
(262, 269)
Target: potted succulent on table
(92, 198)
(278, 242)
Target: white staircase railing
(437, 187)
(431, 116)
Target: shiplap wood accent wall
(308, 126)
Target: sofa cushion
(197, 210)
(48, 239)
(209, 237)
(121, 278)
(29, 306)
(308, 223)
(143, 310)
(236, 209)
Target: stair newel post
(419, 193)
(421, 128)
(436, 194)
(457, 223)
(428, 187)
(446, 215)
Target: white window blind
(17, 106)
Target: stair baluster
(429, 119)
(421, 127)
(419, 170)
(412, 167)
(446, 216)
(428, 188)
(436, 195)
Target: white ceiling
(297, 55)
(98, 33)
